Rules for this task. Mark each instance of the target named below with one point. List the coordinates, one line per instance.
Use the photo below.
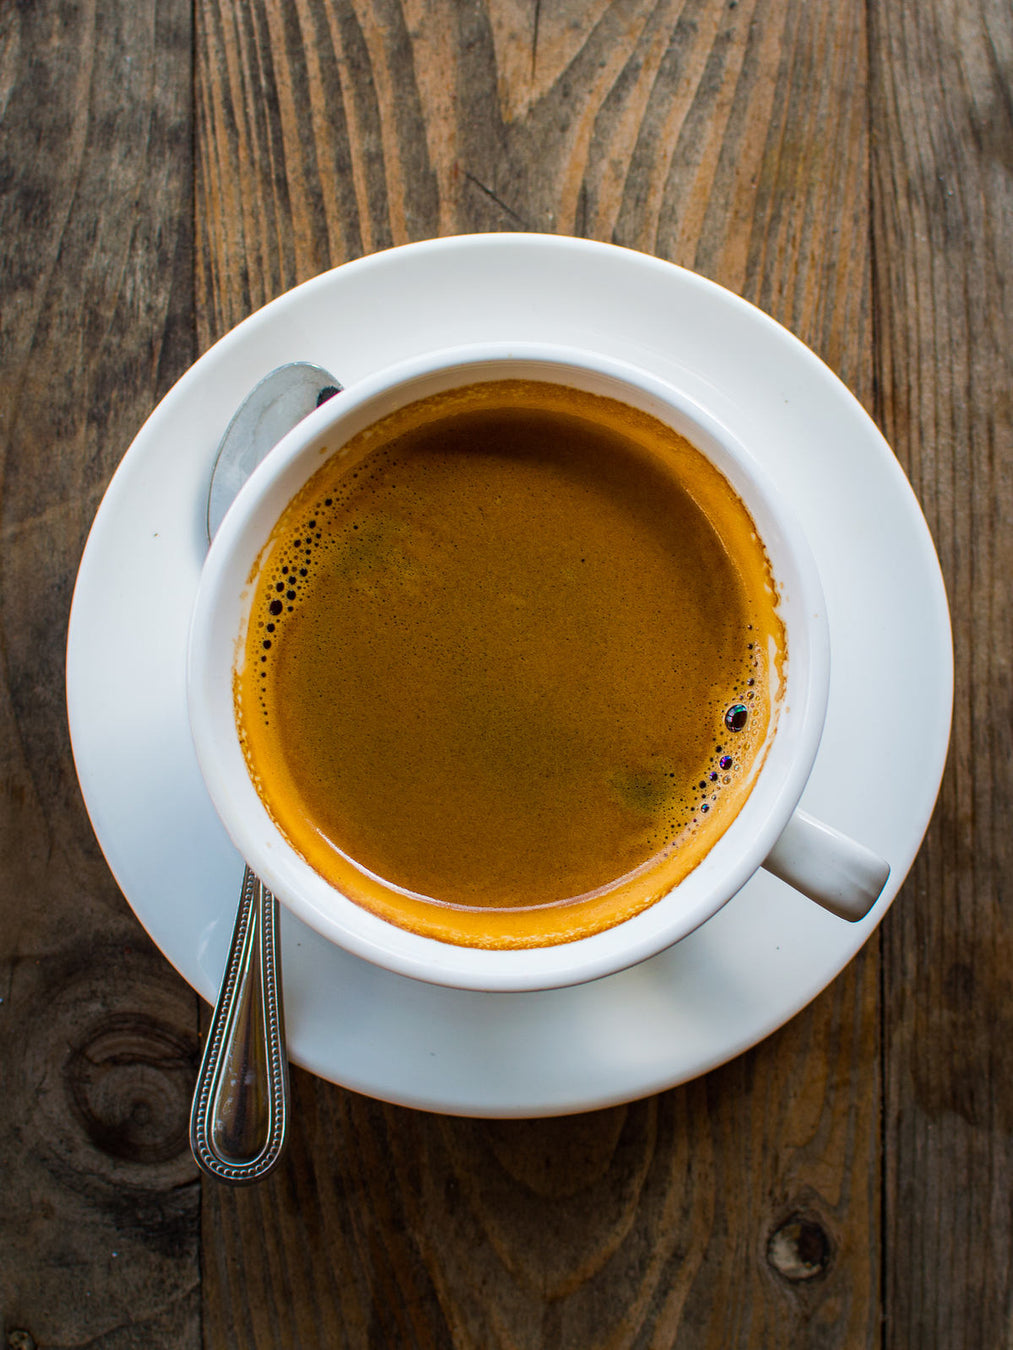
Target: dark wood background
(164, 170)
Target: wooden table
(168, 168)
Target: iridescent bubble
(736, 717)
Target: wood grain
(98, 1238)
(714, 135)
(944, 255)
(164, 172)
(743, 1209)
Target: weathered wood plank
(943, 149)
(710, 134)
(99, 1229)
(743, 1209)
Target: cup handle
(844, 877)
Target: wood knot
(129, 1084)
(20, 1340)
(800, 1248)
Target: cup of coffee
(508, 668)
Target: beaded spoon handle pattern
(239, 1120)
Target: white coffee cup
(769, 830)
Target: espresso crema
(512, 664)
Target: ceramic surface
(221, 611)
(768, 951)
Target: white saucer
(762, 957)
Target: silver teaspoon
(239, 1118)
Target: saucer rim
(541, 1100)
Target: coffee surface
(511, 664)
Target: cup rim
(730, 862)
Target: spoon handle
(239, 1120)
